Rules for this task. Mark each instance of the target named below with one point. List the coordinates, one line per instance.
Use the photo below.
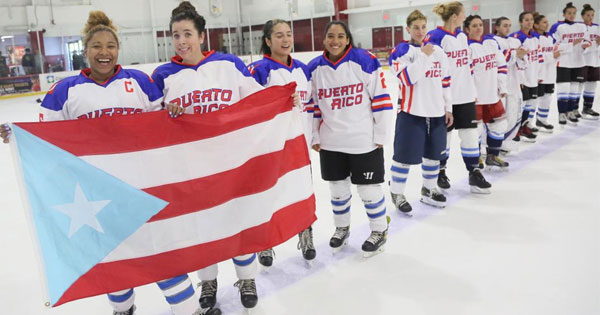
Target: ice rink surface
(531, 247)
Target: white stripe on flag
(231, 218)
(167, 165)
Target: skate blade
(495, 168)
(527, 140)
(483, 191)
(573, 124)
(248, 311)
(338, 249)
(371, 254)
(547, 131)
(433, 203)
(590, 118)
(309, 263)
(407, 214)
(264, 268)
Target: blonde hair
(98, 22)
(447, 9)
(414, 16)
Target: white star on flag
(82, 212)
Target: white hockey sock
(121, 301)
(399, 176)
(245, 266)
(374, 200)
(430, 170)
(341, 198)
(543, 109)
(589, 92)
(179, 293)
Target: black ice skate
(248, 294)
(130, 311)
(493, 161)
(478, 183)
(401, 204)
(532, 128)
(266, 257)
(527, 135)
(208, 311)
(562, 119)
(306, 246)
(339, 238)
(572, 119)
(589, 114)
(517, 137)
(544, 127)
(443, 180)
(433, 197)
(208, 294)
(577, 114)
(374, 244)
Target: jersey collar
(178, 60)
(339, 60)
(447, 31)
(87, 71)
(290, 61)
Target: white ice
(531, 247)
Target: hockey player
(454, 42)
(514, 55)
(197, 82)
(352, 119)
(548, 72)
(489, 71)
(571, 41)
(279, 68)
(529, 40)
(425, 110)
(591, 71)
(106, 89)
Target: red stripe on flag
(207, 192)
(124, 274)
(158, 128)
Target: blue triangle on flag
(81, 213)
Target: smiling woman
(101, 46)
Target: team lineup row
(495, 90)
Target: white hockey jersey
(547, 47)
(534, 58)
(515, 65)
(424, 80)
(269, 72)
(353, 110)
(591, 54)
(127, 92)
(457, 49)
(565, 33)
(489, 69)
(216, 82)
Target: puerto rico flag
(125, 201)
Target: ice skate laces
(246, 287)
(208, 288)
(306, 240)
(340, 232)
(375, 237)
(267, 252)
